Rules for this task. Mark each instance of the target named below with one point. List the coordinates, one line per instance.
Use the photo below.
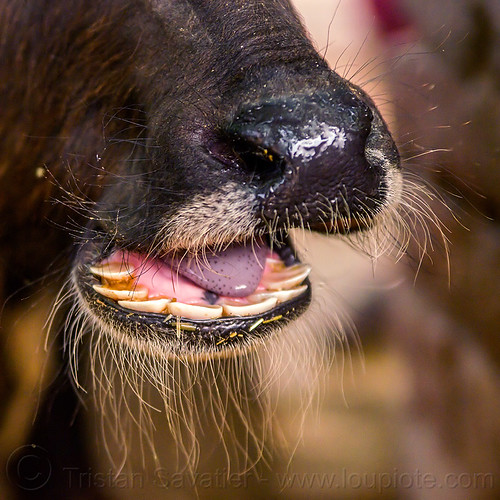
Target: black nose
(308, 155)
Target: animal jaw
(151, 402)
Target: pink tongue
(234, 272)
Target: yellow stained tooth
(287, 279)
(137, 293)
(194, 311)
(275, 264)
(113, 271)
(249, 309)
(281, 295)
(286, 272)
(150, 306)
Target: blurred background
(419, 416)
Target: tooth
(114, 271)
(275, 264)
(287, 279)
(250, 309)
(137, 293)
(150, 306)
(193, 311)
(296, 268)
(281, 295)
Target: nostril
(221, 150)
(265, 165)
(262, 165)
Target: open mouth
(213, 299)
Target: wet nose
(308, 154)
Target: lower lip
(183, 336)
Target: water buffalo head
(197, 133)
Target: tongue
(234, 272)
